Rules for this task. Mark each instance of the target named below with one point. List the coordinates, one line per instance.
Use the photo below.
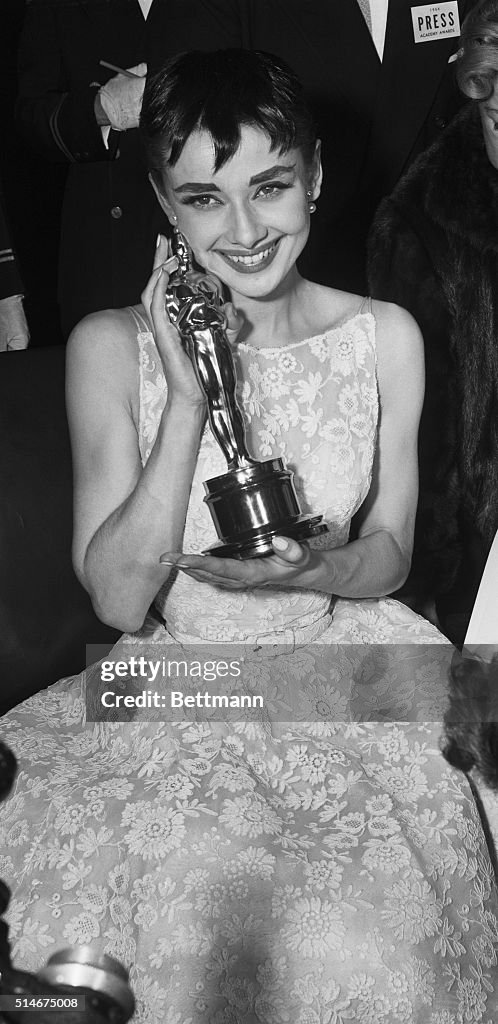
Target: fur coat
(433, 249)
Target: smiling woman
(321, 862)
(252, 215)
(251, 168)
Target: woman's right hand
(180, 374)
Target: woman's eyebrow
(197, 186)
(257, 179)
(272, 172)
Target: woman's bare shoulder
(103, 333)
(333, 306)
(102, 364)
(397, 330)
(104, 345)
(400, 350)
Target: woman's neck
(273, 320)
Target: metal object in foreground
(77, 986)
(254, 501)
(82, 967)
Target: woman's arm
(378, 561)
(125, 515)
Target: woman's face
(249, 221)
(489, 119)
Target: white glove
(121, 99)
(14, 330)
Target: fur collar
(455, 183)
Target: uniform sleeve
(53, 117)
(10, 278)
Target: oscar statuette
(254, 501)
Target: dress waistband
(281, 639)
(294, 634)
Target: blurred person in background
(434, 251)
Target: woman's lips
(251, 263)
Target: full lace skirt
(260, 872)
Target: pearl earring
(311, 205)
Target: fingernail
(171, 264)
(177, 565)
(158, 241)
(280, 543)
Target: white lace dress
(285, 871)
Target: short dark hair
(219, 92)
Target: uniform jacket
(111, 217)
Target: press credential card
(435, 21)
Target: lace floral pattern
(313, 403)
(275, 872)
(330, 873)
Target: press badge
(435, 21)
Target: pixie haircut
(219, 92)
(477, 64)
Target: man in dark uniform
(111, 217)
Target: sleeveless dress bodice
(315, 404)
(287, 395)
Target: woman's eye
(272, 189)
(202, 202)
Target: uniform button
(440, 122)
(116, 212)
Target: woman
(433, 249)
(280, 870)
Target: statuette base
(251, 505)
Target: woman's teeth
(251, 261)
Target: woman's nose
(245, 229)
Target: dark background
(33, 190)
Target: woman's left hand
(291, 565)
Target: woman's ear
(316, 174)
(163, 202)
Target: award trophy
(254, 501)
